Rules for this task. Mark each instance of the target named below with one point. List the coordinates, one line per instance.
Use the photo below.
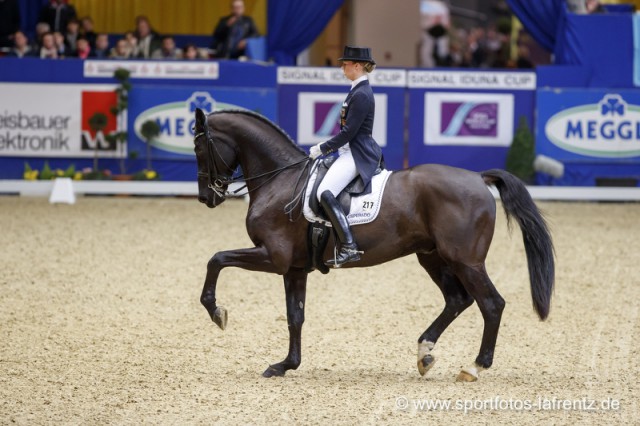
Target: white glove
(315, 152)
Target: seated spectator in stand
(132, 42)
(21, 46)
(48, 50)
(101, 50)
(231, 34)
(122, 50)
(9, 21)
(523, 60)
(594, 6)
(62, 48)
(73, 33)
(190, 52)
(86, 30)
(148, 39)
(83, 49)
(57, 14)
(42, 28)
(168, 50)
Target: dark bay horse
(444, 215)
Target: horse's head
(216, 161)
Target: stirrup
(345, 255)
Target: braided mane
(264, 119)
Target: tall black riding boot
(348, 251)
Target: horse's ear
(201, 120)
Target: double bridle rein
(218, 182)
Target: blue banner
(594, 133)
(467, 118)
(309, 102)
(173, 109)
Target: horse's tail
(538, 245)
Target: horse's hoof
(273, 371)
(467, 376)
(220, 317)
(425, 364)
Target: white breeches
(341, 172)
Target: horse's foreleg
(491, 305)
(253, 259)
(295, 285)
(456, 301)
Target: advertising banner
(595, 133)
(153, 69)
(53, 120)
(310, 99)
(467, 118)
(173, 108)
(594, 125)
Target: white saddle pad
(364, 208)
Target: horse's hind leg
(295, 285)
(456, 300)
(491, 304)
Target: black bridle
(218, 182)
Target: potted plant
(119, 111)
(150, 130)
(97, 122)
(522, 153)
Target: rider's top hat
(358, 54)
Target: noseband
(216, 181)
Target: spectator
(102, 46)
(190, 52)
(122, 50)
(523, 60)
(48, 50)
(83, 49)
(594, 6)
(132, 42)
(62, 48)
(86, 30)
(9, 21)
(57, 14)
(42, 28)
(73, 32)
(168, 50)
(231, 34)
(148, 39)
(21, 46)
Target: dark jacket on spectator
(9, 21)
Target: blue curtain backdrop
(292, 25)
(541, 18)
(29, 11)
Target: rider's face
(352, 70)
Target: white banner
(154, 69)
(481, 80)
(52, 120)
(335, 77)
(472, 119)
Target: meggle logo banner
(609, 128)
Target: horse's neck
(265, 158)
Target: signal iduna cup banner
(52, 120)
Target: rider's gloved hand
(315, 152)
